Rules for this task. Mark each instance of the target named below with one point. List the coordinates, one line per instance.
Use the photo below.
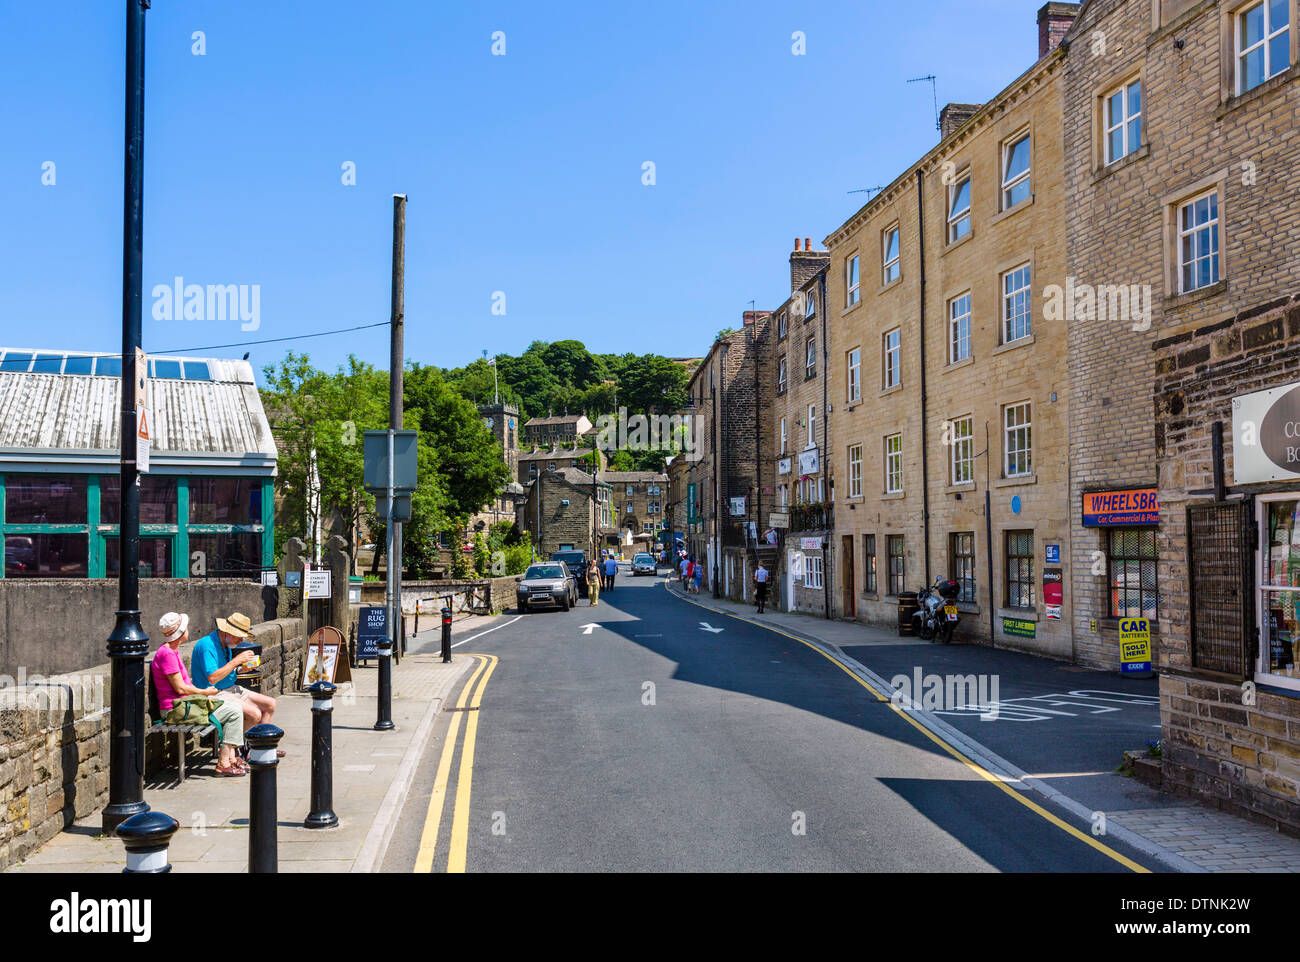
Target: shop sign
(1132, 506)
(692, 508)
(1266, 435)
(779, 519)
(738, 507)
(783, 466)
(1134, 645)
(808, 463)
(1019, 627)
(1052, 582)
(810, 544)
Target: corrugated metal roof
(221, 416)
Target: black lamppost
(129, 643)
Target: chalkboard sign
(372, 628)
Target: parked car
(644, 564)
(547, 584)
(577, 564)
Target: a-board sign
(1134, 645)
(372, 628)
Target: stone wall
(52, 625)
(1244, 759)
(54, 739)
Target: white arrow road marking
(705, 626)
(586, 629)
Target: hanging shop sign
(808, 462)
(1266, 435)
(1131, 506)
(779, 519)
(692, 508)
(783, 466)
(738, 507)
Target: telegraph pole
(129, 643)
(396, 364)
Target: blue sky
(523, 171)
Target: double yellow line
(952, 750)
(459, 842)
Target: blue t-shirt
(611, 566)
(208, 655)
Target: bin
(907, 606)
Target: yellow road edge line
(950, 749)
(459, 844)
(437, 799)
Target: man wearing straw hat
(211, 663)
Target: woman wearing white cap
(173, 684)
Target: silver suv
(546, 584)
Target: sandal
(234, 772)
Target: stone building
(1180, 140)
(639, 505)
(566, 509)
(675, 513)
(559, 429)
(948, 384)
(530, 463)
(801, 518)
(726, 486)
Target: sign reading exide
(1266, 435)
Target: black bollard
(146, 837)
(322, 757)
(446, 633)
(385, 721)
(262, 804)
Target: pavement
(372, 776)
(1056, 728)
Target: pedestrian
(174, 688)
(760, 586)
(593, 582)
(682, 568)
(611, 569)
(214, 662)
(699, 577)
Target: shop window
(233, 554)
(869, 563)
(1132, 556)
(46, 556)
(812, 568)
(157, 499)
(45, 499)
(225, 500)
(1280, 591)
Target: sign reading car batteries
(1266, 435)
(1134, 645)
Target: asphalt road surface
(649, 743)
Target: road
(649, 743)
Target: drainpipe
(827, 572)
(925, 459)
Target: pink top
(167, 662)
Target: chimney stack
(796, 243)
(1054, 21)
(805, 262)
(953, 116)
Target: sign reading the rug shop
(1019, 627)
(1106, 509)
(1266, 435)
(1134, 645)
(372, 628)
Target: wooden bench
(182, 732)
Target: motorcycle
(936, 614)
